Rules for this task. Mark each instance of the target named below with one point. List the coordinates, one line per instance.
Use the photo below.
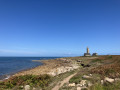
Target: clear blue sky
(59, 27)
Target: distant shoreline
(42, 68)
(49, 66)
(7, 76)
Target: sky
(59, 27)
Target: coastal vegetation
(107, 86)
(94, 73)
(96, 60)
(110, 68)
(45, 81)
(20, 81)
(104, 74)
(76, 79)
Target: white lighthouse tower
(87, 53)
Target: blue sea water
(11, 65)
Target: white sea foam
(8, 76)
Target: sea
(12, 65)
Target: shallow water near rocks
(11, 65)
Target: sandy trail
(61, 83)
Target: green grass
(97, 60)
(97, 87)
(58, 78)
(32, 80)
(106, 86)
(44, 82)
(109, 71)
(66, 87)
(109, 57)
(75, 79)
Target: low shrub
(75, 79)
(106, 86)
(109, 57)
(97, 87)
(96, 60)
(32, 80)
(110, 70)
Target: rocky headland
(69, 73)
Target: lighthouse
(87, 50)
(87, 53)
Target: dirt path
(61, 83)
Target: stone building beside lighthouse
(87, 53)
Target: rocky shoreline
(73, 73)
(52, 67)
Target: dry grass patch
(110, 67)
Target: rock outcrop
(71, 85)
(27, 87)
(110, 80)
(62, 69)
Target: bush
(106, 86)
(96, 60)
(97, 87)
(32, 80)
(75, 79)
(109, 57)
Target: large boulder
(102, 81)
(71, 85)
(110, 80)
(27, 87)
(79, 88)
(117, 79)
(83, 82)
(89, 83)
(86, 76)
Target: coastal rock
(62, 69)
(80, 61)
(89, 84)
(21, 86)
(86, 77)
(117, 79)
(102, 81)
(34, 88)
(110, 80)
(90, 74)
(27, 87)
(53, 73)
(79, 88)
(79, 85)
(74, 66)
(71, 85)
(83, 82)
